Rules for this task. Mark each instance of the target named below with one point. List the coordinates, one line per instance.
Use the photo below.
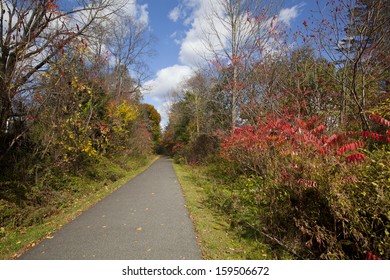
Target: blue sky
(162, 28)
(174, 24)
(178, 26)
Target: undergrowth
(218, 236)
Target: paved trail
(145, 219)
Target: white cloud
(204, 25)
(163, 109)
(143, 14)
(138, 12)
(173, 35)
(167, 80)
(130, 8)
(274, 46)
(288, 14)
(174, 14)
(193, 49)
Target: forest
(292, 128)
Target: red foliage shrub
(289, 137)
(323, 183)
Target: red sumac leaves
(349, 147)
(374, 136)
(253, 147)
(380, 120)
(355, 158)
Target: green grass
(217, 239)
(81, 194)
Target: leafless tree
(235, 30)
(33, 32)
(354, 36)
(130, 43)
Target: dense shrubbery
(323, 197)
(25, 203)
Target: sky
(178, 28)
(176, 25)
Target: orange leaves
(177, 147)
(103, 127)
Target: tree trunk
(234, 96)
(234, 58)
(197, 112)
(5, 107)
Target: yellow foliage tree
(123, 115)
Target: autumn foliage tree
(33, 33)
(62, 119)
(152, 119)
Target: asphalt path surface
(146, 219)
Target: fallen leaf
(139, 229)
(50, 237)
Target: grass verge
(15, 241)
(217, 239)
